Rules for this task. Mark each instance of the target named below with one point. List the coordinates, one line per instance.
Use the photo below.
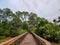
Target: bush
(14, 33)
(2, 37)
(40, 31)
(50, 35)
(49, 32)
(57, 38)
(22, 31)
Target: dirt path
(28, 40)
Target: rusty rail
(41, 40)
(18, 39)
(13, 40)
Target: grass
(22, 31)
(3, 38)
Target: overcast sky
(48, 9)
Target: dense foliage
(48, 30)
(18, 22)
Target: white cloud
(48, 9)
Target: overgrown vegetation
(48, 30)
(20, 22)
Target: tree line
(30, 22)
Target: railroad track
(26, 39)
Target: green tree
(19, 14)
(7, 12)
(1, 11)
(25, 14)
(32, 19)
(25, 25)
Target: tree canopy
(30, 22)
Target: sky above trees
(48, 9)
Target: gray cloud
(48, 9)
